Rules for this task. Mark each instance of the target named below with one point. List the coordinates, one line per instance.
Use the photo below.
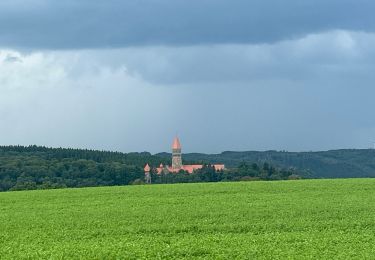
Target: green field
(286, 219)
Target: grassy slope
(309, 219)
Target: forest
(34, 167)
(244, 172)
(343, 163)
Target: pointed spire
(147, 168)
(176, 143)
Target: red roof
(190, 168)
(176, 143)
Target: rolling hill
(348, 163)
(36, 167)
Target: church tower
(176, 154)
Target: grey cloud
(48, 24)
(326, 57)
(313, 93)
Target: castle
(177, 164)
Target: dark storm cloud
(293, 75)
(44, 24)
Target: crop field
(308, 219)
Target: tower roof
(176, 143)
(147, 168)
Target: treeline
(33, 167)
(244, 172)
(348, 163)
(26, 173)
(138, 159)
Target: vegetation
(244, 172)
(308, 219)
(23, 168)
(29, 168)
(41, 168)
(350, 163)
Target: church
(177, 164)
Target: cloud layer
(71, 24)
(310, 93)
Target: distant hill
(37, 167)
(346, 163)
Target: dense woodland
(244, 172)
(41, 168)
(346, 163)
(33, 167)
(36, 167)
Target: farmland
(284, 219)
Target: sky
(238, 75)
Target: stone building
(177, 164)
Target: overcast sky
(127, 75)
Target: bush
(138, 182)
